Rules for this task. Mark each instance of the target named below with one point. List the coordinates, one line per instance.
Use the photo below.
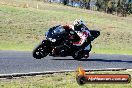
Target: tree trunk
(65, 2)
(88, 5)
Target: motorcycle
(57, 44)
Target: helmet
(77, 24)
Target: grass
(24, 22)
(59, 80)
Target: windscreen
(59, 30)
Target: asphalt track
(23, 62)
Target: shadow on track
(63, 59)
(101, 60)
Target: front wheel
(41, 50)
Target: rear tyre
(77, 55)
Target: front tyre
(41, 50)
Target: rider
(84, 34)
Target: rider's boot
(86, 53)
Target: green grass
(59, 80)
(22, 27)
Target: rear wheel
(41, 50)
(77, 55)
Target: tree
(124, 8)
(129, 7)
(111, 7)
(72, 2)
(65, 2)
(98, 5)
(88, 4)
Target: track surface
(23, 62)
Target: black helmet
(78, 24)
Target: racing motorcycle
(58, 44)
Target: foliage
(124, 8)
(121, 7)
